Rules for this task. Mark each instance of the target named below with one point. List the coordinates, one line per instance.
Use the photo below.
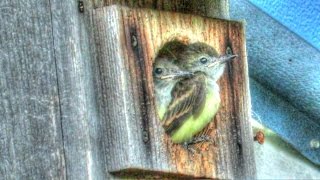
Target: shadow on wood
(127, 41)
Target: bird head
(167, 71)
(202, 58)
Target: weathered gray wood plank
(82, 133)
(30, 128)
(208, 8)
(30, 44)
(126, 43)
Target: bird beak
(179, 74)
(222, 60)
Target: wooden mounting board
(127, 41)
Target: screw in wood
(134, 41)
(315, 144)
(81, 6)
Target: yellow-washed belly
(194, 125)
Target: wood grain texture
(31, 144)
(49, 120)
(208, 8)
(79, 113)
(127, 41)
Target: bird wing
(188, 96)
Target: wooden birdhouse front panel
(127, 42)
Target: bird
(195, 99)
(166, 73)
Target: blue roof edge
(285, 78)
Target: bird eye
(158, 71)
(203, 60)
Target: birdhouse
(127, 42)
